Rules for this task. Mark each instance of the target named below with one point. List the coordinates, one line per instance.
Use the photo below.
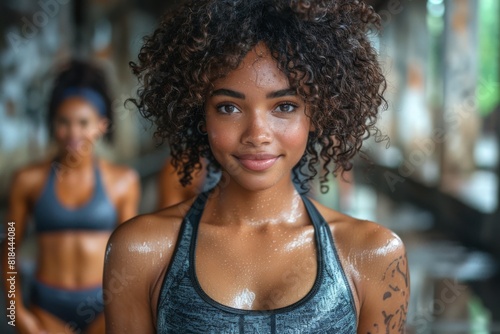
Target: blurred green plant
(488, 91)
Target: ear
(103, 125)
(202, 128)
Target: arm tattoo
(397, 286)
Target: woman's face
(257, 126)
(77, 125)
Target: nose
(74, 130)
(257, 130)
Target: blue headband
(92, 96)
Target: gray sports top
(183, 307)
(98, 214)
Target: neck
(278, 204)
(74, 161)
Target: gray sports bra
(183, 307)
(98, 214)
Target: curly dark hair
(81, 74)
(322, 46)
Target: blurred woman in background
(76, 200)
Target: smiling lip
(74, 144)
(257, 162)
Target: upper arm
(384, 285)
(126, 283)
(19, 202)
(171, 191)
(137, 256)
(129, 203)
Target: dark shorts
(77, 308)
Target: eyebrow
(281, 93)
(238, 95)
(229, 92)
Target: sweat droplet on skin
(143, 248)
(108, 250)
(290, 216)
(244, 299)
(392, 245)
(301, 240)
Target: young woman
(76, 199)
(258, 88)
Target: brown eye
(61, 121)
(227, 109)
(286, 108)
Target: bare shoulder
(119, 173)
(366, 249)
(147, 234)
(33, 173)
(370, 239)
(138, 254)
(146, 242)
(30, 179)
(140, 250)
(361, 238)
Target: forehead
(257, 69)
(76, 107)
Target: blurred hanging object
(461, 118)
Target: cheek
(220, 137)
(60, 131)
(295, 135)
(93, 131)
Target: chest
(74, 194)
(256, 270)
